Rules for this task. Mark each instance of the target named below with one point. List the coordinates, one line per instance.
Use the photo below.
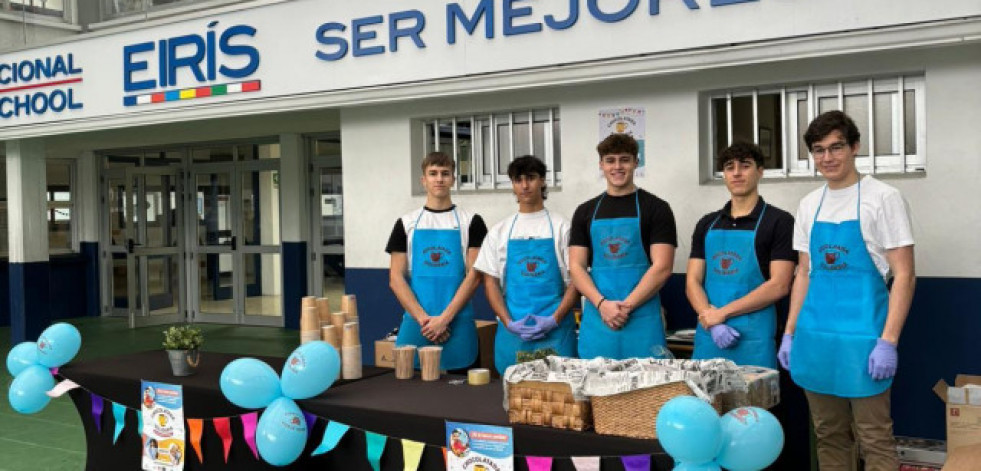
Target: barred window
(892, 124)
(482, 145)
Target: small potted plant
(182, 343)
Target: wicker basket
(633, 414)
(547, 404)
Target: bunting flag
(97, 406)
(61, 388)
(636, 462)
(311, 421)
(54, 371)
(411, 454)
(444, 457)
(195, 428)
(539, 463)
(333, 434)
(248, 430)
(586, 463)
(119, 415)
(376, 446)
(139, 422)
(224, 429)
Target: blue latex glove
(724, 336)
(543, 325)
(521, 327)
(883, 360)
(784, 354)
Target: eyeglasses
(836, 149)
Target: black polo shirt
(657, 224)
(774, 238)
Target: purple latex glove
(724, 336)
(543, 325)
(883, 360)
(522, 326)
(784, 354)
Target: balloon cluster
(252, 384)
(30, 364)
(744, 439)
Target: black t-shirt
(398, 241)
(774, 238)
(656, 219)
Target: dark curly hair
(740, 150)
(618, 144)
(829, 122)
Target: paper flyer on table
(162, 409)
(475, 447)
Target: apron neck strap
(636, 203)
(551, 230)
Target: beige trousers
(837, 420)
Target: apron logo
(834, 257)
(534, 266)
(293, 422)
(616, 247)
(438, 256)
(728, 262)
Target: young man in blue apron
(526, 256)
(435, 246)
(844, 324)
(742, 262)
(621, 252)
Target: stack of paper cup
(323, 310)
(349, 304)
(331, 336)
(308, 301)
(338, 319)
(350, 351)
(309, 324)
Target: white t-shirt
(494, 250)
(440, 220)
(885, 218)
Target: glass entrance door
(327, 218)
(145, 251)
(234, 274)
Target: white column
(86, 194)
(293, 189)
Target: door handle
(130, 245)
(234, 243)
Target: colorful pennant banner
(586, 463)
(119, 415)
(61, 388)
(195, 428)
(248, 430)
(97, 406)
(333, 434)
(376, 446)
(636, 462)
(411, 454)
(539, 463)
(224, 430)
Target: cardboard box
(963, 417)
(763, 390)
(921, 452)
(385, 353)
(385, 349)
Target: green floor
(53, 439)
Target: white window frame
(494, 180)
(797, 165)
(68, 15)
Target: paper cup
(329, 334)
(429, 361)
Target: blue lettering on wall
(41, 85)
(558, 25)
(655, 7)
(412, 32)
(339, 43)
(199, 54)
(614, 17)
(454, 12)
(510, 13)
(359, 35)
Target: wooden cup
(405, 358)
(429, 361)
(349, 304)
(337, 320)
(308, 301)
(351, 362)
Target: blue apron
(533, 286)
(618, 264)
(731, 272)
(843, 314)
(438, 269)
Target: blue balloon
(710, 466)
(249, 383)
(310, 370)
(58, 344)
(688, 429)
(21, 356)
(26, 393)
(282, 432)
(751, 439)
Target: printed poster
(630, 121)
(162, 409)
(475, 447)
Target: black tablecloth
(410, 409)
